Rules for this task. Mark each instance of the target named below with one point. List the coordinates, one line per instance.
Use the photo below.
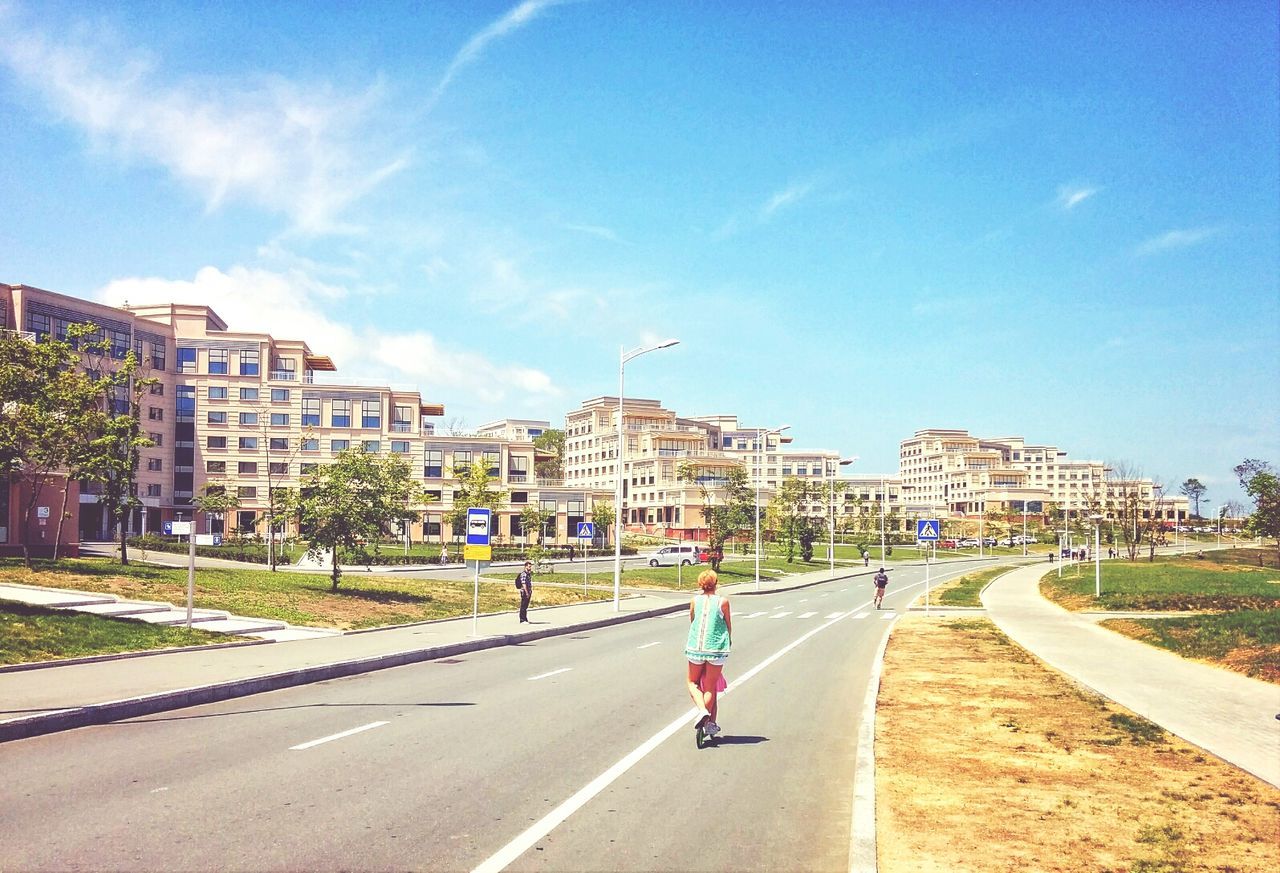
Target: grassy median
(988, 761)
(33, 633)
(1237, 606)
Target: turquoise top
(708, 632)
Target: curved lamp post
(835, 470)
(623, 357)
(761, 436)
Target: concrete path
(1225, 713)
(36, 699)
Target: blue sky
(1054, 220)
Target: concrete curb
(102, 713)
(120, 656)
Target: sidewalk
(1229, 715)
(62, 695)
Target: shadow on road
(737, 741)
(146, 719)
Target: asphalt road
(570, 753)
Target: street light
(835, 470)
(761, 436)
(1097, 556)
(623, 357)
(882, 495)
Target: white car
(669, 556)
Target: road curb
(102, 713)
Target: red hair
(707, 580)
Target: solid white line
(806, 615)
(552, 673)
(862, 830)
(779, 615)
(522, 843)
(363, 727)
(647, 645)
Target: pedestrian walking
(524, 584)
(707, 649)
(444, 554)
(882, 582)
(866, 558)
(571, 552)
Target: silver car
(669, 556)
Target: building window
(434, 468)
(308, 469)
(215, 442)
(248, 393)
(186, 360)
(519, 496)
(153, 490)
(340, 414)
(517, 468)
(217, 393)
(279, 419)
(217, 418)
(279, 395)
(157, 356)
(311, 412)
(336, 446)
(155, 413)
(278, 444)
(155, 465)
(400, 447)
(491, 462)
(402, 419)
(370, 414)
(248, 418)
(247, 467)
(311, 445)
(249, 362)
(247, 491)
(248, 442)
(215, 466)
(278, 469)
(461, 462)
(371, 446)
(218, 362)
(157, 389)
(157, 439)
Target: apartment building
(960, 474)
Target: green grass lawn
(362, 600)
(964, 590)
(732, 570)
(1241, 601)
(33, 633)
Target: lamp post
(761, 436)
(1097, 556)
(831, 547)
(882, 496)
(623, 357)
(1024, 528)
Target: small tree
(216, 499)
(1193, 490)
(534, 519)
(602, 517)
(352, 501)
(474, 491)
(1260, 482)
(724, 519)
(552, 442)
(796, 528)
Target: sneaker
(712, 728)
(702, 721)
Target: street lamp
(1097, 556)
(760, 435)
(623, 357)
(835, 470)
(882, 496)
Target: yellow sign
(477, 553)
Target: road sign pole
(191, 574)
(475, 604)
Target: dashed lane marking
(862, 615)
(364, 727)
(780, 615)
(647, 645)
(552, 673)
(806, 615)
(835, 614)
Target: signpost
(477, 548)
(927, 531)
(586, 533)
(183, 528)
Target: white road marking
(862, 615)
(647, 645)
(779, 615)
(803, 599)
(753, 615)
(522, 843)
(888, 616)
(363, 727)
(835, 615)
(158, 790)
(552, 673)
(806, 615)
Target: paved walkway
(37, 699)
(1225, 713)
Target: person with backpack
(524, 584)
(882, 581)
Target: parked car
(670, 556)
(948, 544)
(969, 543)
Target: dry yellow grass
(987, 760)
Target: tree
(733, 513)
(279, 501)
(1260, 482)
(552, 442)
(473, 491)
(534, 519)
(788, 510)
(352, 501)
(602, 517)
(216, 499)
(1124, 490)
(1193, 490)
(47, 404)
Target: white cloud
(1175, 239)
(594, 230)
(1070, 197)
(293, 305)
(518, 17)
(786, 197)
(294, 150)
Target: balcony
(401, 427)
(283, 376)
(546, 482)
(515, 477)
(27, 335)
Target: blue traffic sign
(478, 526)
(586, 530)
(926, 529)
(168, 528)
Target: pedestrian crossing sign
(586, 530)
(927, 529)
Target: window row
(277, 419)
(278, 395)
